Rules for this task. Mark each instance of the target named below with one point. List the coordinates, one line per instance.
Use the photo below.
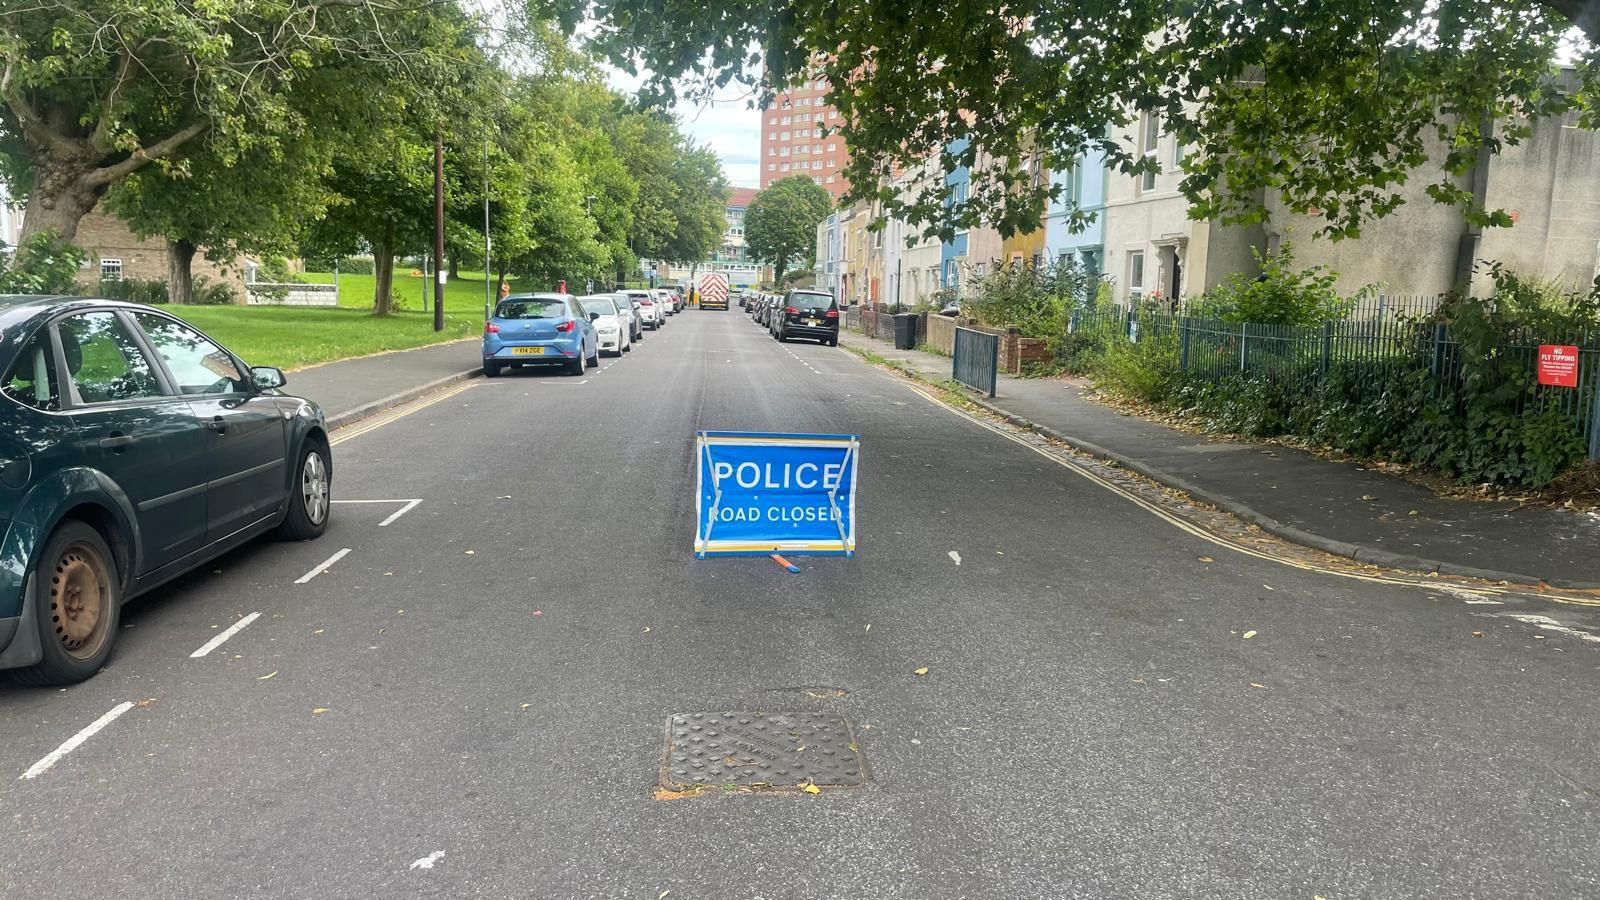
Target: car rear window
(810, 301)
(531, 309)
(601, 305)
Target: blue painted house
(952, 253)
(1083, 187)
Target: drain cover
(761, 750)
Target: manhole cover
(778, 750)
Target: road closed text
(775, 514)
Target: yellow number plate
(527, 351)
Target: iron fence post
(1594, 416)
(1183, 344)
(1438, 350)
(1244, 347)
(1327, 349)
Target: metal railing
(976, 362)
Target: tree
(1333, 106)
(781, 223)
(699, 205)
(96, 90)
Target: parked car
(610, 324)
(133, 449)
(540, 330)
(628, 308)
(651, 313)
(667, 300)
(807, 314)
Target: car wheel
(575, 366)
(594, 361)
(77, 599)
(833, 342)
(311, 500)
(491, 370)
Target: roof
(741, 197)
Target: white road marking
(1548, 624)
(226, 633)
(322, 567)
(427, 861)
(955, 556)
(410, 505)
(74, 742)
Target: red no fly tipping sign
(1558, 365)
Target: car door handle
(118, 442)
(218, 424)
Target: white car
(609, 323)
(651, 313)
(628, 309)
(666, 299)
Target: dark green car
(132, 449)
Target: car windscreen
(601, 305)
(810, 301)
(531, 309)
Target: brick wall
(104, 236)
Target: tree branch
(100, 140)
(144, 156)
(33, 125)
(1583, 14)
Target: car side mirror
(594, 317)
(267, 378)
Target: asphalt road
(472, 701)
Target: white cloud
(726, 123)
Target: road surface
(472, 702)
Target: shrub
(43, 264)
(1279, 295)
(208, 294)
(152, 292)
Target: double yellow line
(1423, 582)
(351, 432)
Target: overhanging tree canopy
(1332, 105)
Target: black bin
(905, 331)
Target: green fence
(1370, 349)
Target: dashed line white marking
(1548, 624)
(956, 557)
(410, 505)
(322, 566)
(226, 633)
(427, 861)
(74, 742)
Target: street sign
(1558, 365)
(759, 494)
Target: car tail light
(831, 314)
(491, 328)
(792, 310)
(566, 326)
(648, 302)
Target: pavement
(472, 701)
(1341, 507)
(353, 389)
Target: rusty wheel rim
(80, 600)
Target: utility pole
(438, 226)
(588, 210)
(488, 303)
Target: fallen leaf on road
(1255, 685)
(538, 613)
(1269, 587)
(1477, 634)
(388, 573)
(525, 706)
(1249, 634)
(319, 631)
(869, 626)
(1206, 559)
(319, 710)
(1368, 497)
(507, 496)
(146, 703)
(268, 675)
(921, 671)
(472, 553)
(1413, 513)
(1138, 681)
(663, 893)
(811, 789)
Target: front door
(145, 440)
(246, 457)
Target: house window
(783, 151)
(783, 135)
(786, 120)
(1136, 273)
(110, 269)
(816, 179)
(785, 167)
(772, 120)
(772, 167)
(772, 135)
(830, 163)
(1150, 129)
(830, 179)
(772, 151)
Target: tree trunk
(777, 272)
(455, 267)
(59, 199)
(383, 266)
(180, 272)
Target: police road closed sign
(1558, 365)
(759, 494)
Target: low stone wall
(942, 334)
(260, 294)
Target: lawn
(293, 337)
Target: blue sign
(759, 494)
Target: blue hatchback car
(540, 330)
(132, 449)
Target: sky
(727, 124)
